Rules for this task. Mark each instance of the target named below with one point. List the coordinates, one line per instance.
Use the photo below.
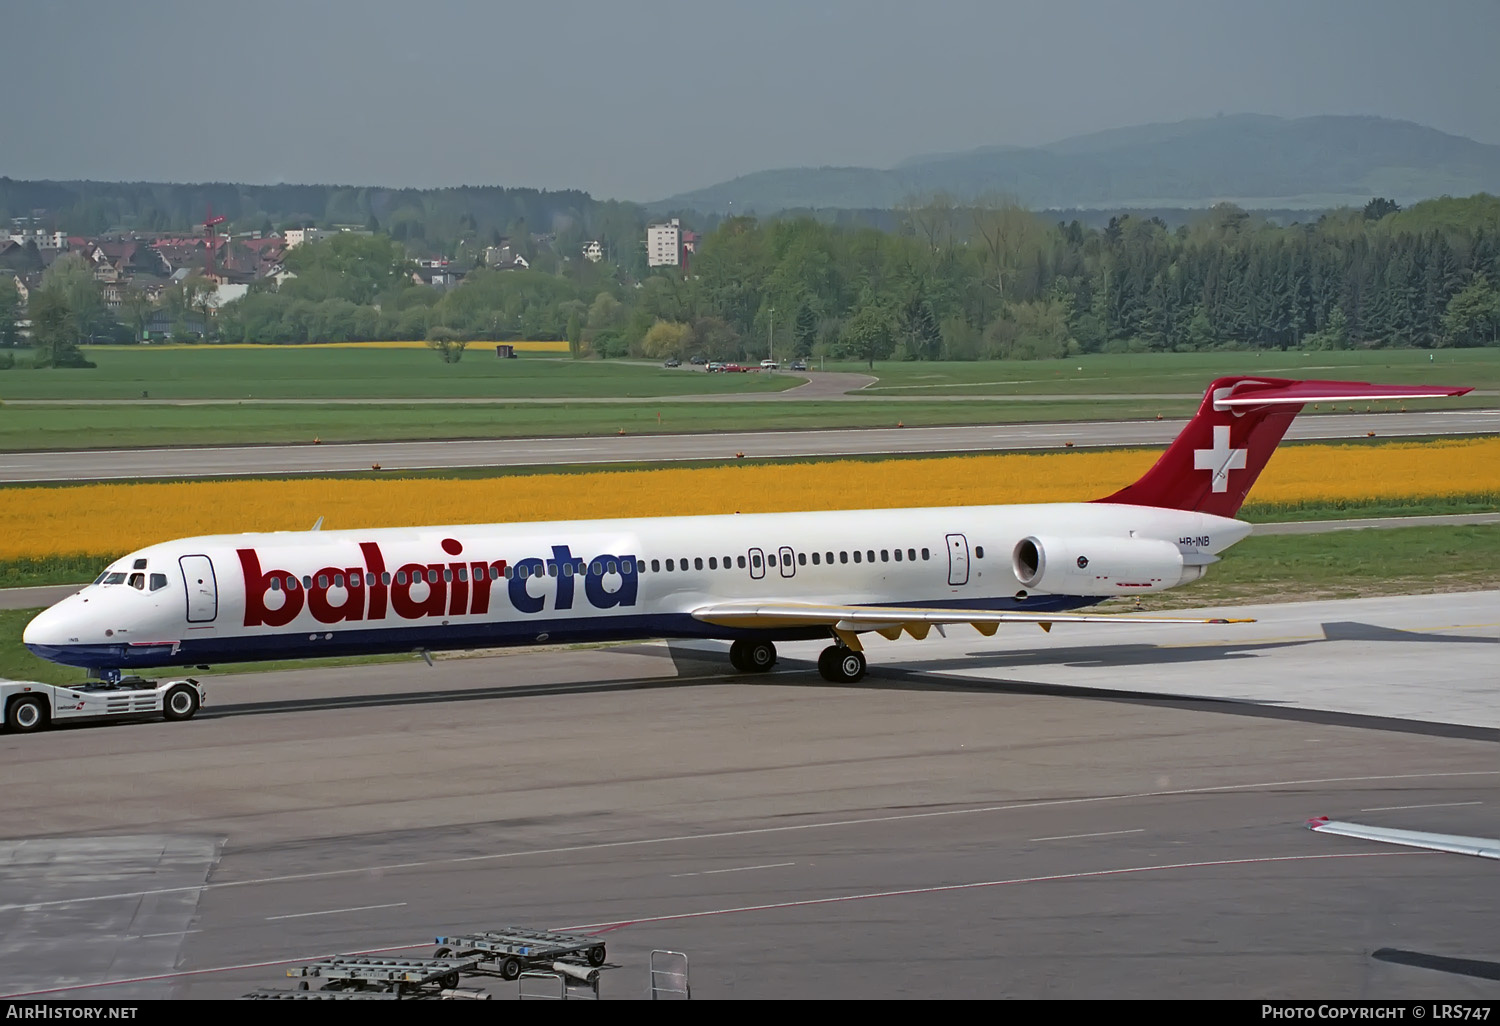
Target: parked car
(672, 362)
(798, 365)
(715, 367)
(769, 365)
(733, 368)
(698, 361)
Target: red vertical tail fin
(1211, 466)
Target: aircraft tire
(180, 703)
(737, 656)
(760, 656)
(840, 665)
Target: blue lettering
(593, 584)
(562, 557)
(522, 599)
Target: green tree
(1379, 207)
(869, 335)
(10, 311)
(1472, 317)
(53, 331)
(446, 343)
(71, 279)
(1335, 334)
(665, 338)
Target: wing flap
(891, 621)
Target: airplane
(753, 579)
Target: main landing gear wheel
(181, 703)
(752, 656)
(840, 665)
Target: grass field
(1279, 569)
(917, 394)
(1168, 373)
(373, 372)
(124, 425)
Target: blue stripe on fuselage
(449, 637)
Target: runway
(1086, 814)
(91, 465)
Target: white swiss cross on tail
(1221, 459)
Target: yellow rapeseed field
(109, 519)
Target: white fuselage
(288, 595)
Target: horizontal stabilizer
(1266, 393)
(1483, 847)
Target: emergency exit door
(958, 559)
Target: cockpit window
(158, 582)
(140, 564)
(115, 578)
(101, 577)
(138, 581)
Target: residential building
(664, 244)
(592, 251)
(297, 236)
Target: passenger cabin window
(870, 555)
(307, 580)
(656, 566)
(897, 554)
(979, 552)
(926, 554)
(911, 554)
(338, 580)
(138, 581)
(856, 555)
(801, 559)
(770, 561)
(740, 562)
(815, 558)
(713, 562)
(159, 581)
(755, 562)
(843, 557)
(698, 563)
(885, 555)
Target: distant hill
(1251, 159)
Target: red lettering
(408, 608)
(458, 594)
(376, 562)
(482, 581)
(353, 606)
(257, 584)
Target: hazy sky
(644, 98)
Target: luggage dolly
(410, 977)
(509, 951)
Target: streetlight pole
(771, 337)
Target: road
(1080, 814)
(92, 465)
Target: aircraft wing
(849, 621)
(1484, 847)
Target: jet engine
(1101, 566)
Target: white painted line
(172, 933)
(334, 911)
(944, 888)
(617, 924)
(1074, 837)
(740, 869)
(905, 817)
(1435, 805)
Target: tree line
(953, 281)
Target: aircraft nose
(48, 627)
